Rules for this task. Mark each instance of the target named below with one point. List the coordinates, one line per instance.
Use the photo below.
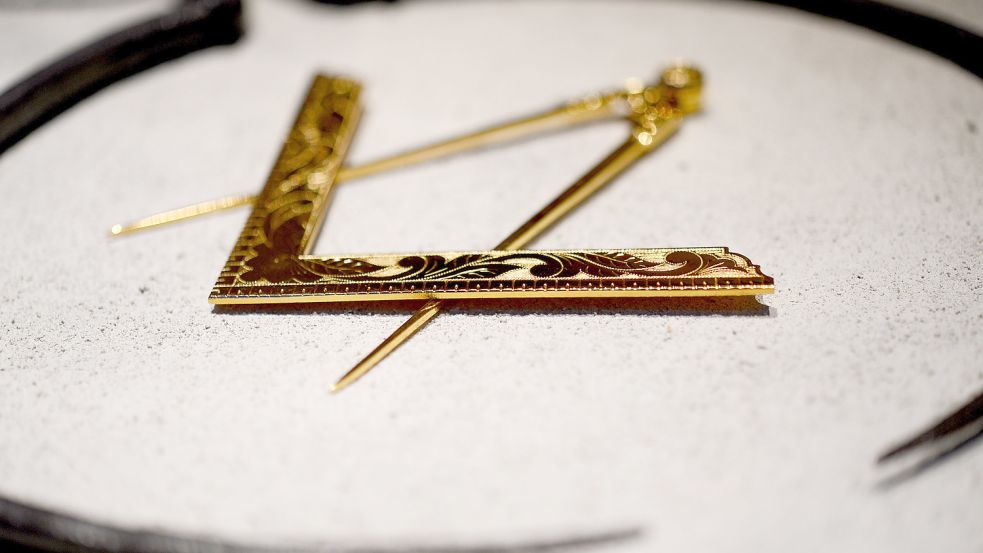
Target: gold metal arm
(592, 108)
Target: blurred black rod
(960, 46)
(41, 97)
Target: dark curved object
(960, 46)
(199, 24)
(192, 26)
(25, 529)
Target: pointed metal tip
(343, 383)
(906, 446)
(956, 422)
(890, 454)
(116, 230)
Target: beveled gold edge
(488, 294)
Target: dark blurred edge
(960, 46)
(200, 24)
(41, 97)
(25, 529)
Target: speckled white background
(849, 166)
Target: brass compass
(270, 262)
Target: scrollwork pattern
(276, 268)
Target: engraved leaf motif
(607, 264)
(340, 267)
(489, 270)
(713, 264)
(471, 266)
(275, 267)
(458, 262)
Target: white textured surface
(848, 165)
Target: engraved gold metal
(270, 261)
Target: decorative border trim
(495, 274)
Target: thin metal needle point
(620, 159)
